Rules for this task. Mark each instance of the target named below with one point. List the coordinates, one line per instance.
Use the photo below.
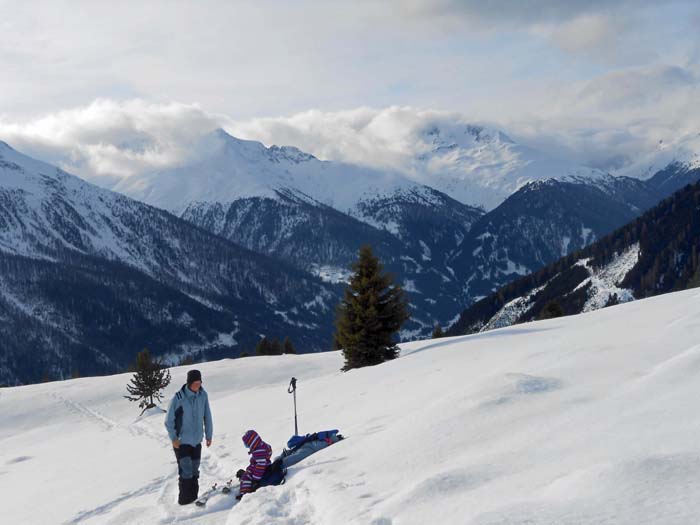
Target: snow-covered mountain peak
(289, 153)
(221, 144)
(18, 171)
(228, 168)
(478, 165)
(683, 154)
(462, 136)
(226, 144)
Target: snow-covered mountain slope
(474, 165)
(481, 166)
(656, 253)
(576, 420)
(94, 272)
(229, 169)
(313, 214)
(541, 222)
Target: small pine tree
(551, 310)
(276, 347)
(264, 347)
(371, 313)
(149, 379)
(288, 346)
(244, 353)
(437, 332)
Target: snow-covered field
(582, 420)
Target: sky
(111, 88)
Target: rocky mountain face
(653, 254)
(543, 221)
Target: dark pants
(188, 458)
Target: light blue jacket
(187, 414)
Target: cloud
(611, 120)
(589, 33)
(599, 30)
(499, 14)
(112, 138)
(607, 122)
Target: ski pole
(293, 390)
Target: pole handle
(292, 386)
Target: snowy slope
(230, 169)
(45, 209)
(577, 420)
(475, 165)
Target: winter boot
(188, 494)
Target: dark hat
(192, 376)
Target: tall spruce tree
(149, 379)
(371, 313)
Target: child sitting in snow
(260, 454)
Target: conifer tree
(149, 379)
(288, 346)
(551, 310)
(276, 347)
(371, 313)
(264, 347)
(437, 332)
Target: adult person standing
(188, 421)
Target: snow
(587, 236)
(409, 285)
(427, 254)
(482, 166)
(605, 281)
(331, 274)
(566, 240)
(472, 164)
(232, 169)
(38, 188)
(511, 311)
(683, 151)
(575, 420)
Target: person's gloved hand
(240, 473)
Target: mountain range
(447, 253)
(89, 277)
(655, 253)
(247, 240)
